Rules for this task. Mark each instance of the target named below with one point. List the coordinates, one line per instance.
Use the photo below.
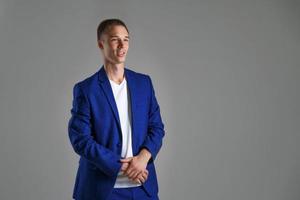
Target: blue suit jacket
(95, 132)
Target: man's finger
(132, 174)
(126, 159)
(127, 171)
(136, 175)
(137, 181)
(145, 175)
(142, 179)
(124, 166)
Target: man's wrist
(145, 154)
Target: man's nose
(121, 44)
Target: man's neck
(115, 72)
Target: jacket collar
(102, 76)
(131, 84)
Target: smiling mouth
(121, 54)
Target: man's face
(114, 44)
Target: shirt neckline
(124, 80)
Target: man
(116, 126)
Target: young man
(116, 126)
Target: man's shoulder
(92, 80)
(88, 81)
(139, 76)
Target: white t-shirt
(122, 99)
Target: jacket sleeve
(155, 131)
(79, 129)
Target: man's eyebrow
(118, 36)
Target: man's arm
(153, 141)
(79, 129)
(152, 144)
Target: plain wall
(226, 74)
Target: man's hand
(140, 178)
(135, 167)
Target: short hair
(105, 24)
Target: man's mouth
(121, 53)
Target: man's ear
(100, 44)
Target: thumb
(126, 159)
(124, 166)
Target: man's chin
(120, 61)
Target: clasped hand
(135, 167)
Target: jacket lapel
(106, 87)
(132, 88)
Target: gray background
(226, 74)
